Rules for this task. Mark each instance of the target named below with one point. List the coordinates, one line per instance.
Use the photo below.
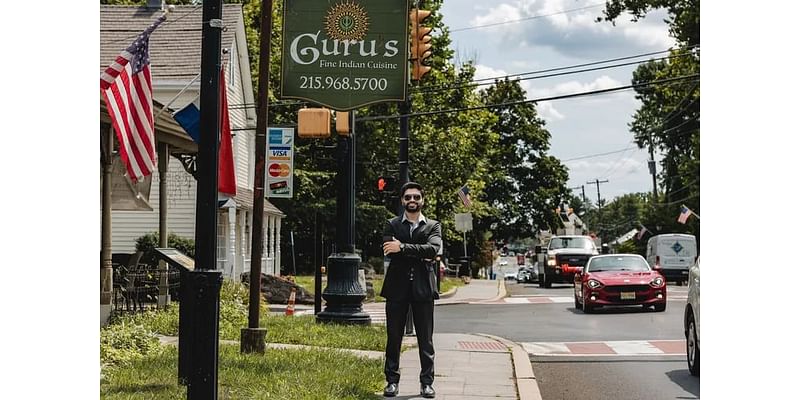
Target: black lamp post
(343, 294)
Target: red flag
(127, 90)
(227, 173)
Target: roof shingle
(174, 46)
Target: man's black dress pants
(396, 312)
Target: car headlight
(551, 261)
(594, 284)
(657, 282)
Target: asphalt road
(524, 317)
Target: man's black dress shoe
(427, 391)
(391, 390)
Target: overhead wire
(527, 18)
(673, 80)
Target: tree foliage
(668, 120)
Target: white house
(175, 48)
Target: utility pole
(597, 182)
(651, 163)
(583, 192)
(253, 336)
(599, 206)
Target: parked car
(619, 279)
(523, 275)
(691, 320)
(510, 275)
(674, 253)
(503, 262)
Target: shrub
(148, 242)
(124, 342)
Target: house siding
(127, 226)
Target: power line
(491, 80)
(596, 155)
(527, 18)
(678, 79)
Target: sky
(558, 33)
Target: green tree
(524, 181)
(669, 119)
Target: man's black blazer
(420, 248)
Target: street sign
(280, 162)
(464, 222)
(345, 54)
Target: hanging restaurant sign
(345, 54)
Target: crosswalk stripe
(612, 348)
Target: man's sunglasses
(414, 196)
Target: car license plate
(627, 296)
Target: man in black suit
(411, 241)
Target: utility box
(314, 123)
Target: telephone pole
(583, 193)
(597, 182)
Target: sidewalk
(467, 366)
(472, 366)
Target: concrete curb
(527, 386)
(501, 291)
(449, 293)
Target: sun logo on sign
(347, 21)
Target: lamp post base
(344, 294)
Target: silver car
(691, 320)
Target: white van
(674, 253)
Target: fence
(136, 288)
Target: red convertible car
(619, 280)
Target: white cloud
(603, 82)
(606, 169)
(551, 23)
(546, 110)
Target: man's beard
(410, 209)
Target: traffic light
(386, 184)
(420, 43)
(381, 184)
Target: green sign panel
(345, 54)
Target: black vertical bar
(202, 344)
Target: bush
(148, 242)
(125, 342)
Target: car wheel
(660, 307)
(587, 308)
(692, 349)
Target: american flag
(641, 232)
(463, 193)
(126, 88)
(685, 213)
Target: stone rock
(276, 290)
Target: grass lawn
(307, 282)
(278, 374)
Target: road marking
(607, 348)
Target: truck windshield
(571, 243)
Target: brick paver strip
(670, 346)
(590, 348)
